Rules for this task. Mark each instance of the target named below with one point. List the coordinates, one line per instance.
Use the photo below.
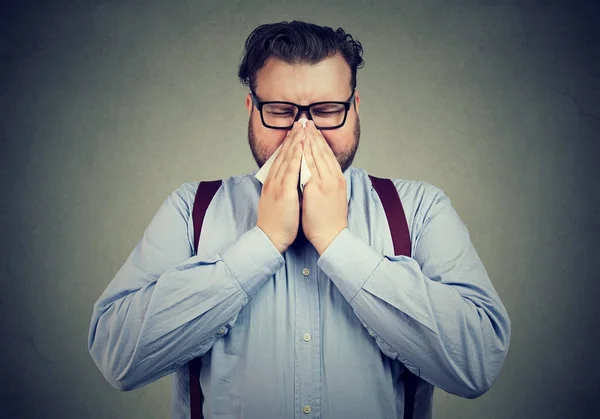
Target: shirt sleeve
(166, 306)
(438, 312)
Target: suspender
(205, 193)
(400, 236)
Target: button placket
(307, 371)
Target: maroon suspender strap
(204, 195)
(196, 396)
(394, 212)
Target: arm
(165, 306)
(438, 313)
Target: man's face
(328, 80)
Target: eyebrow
(301, 104)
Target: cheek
(339, 139)
(266, 138)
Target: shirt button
(306, 337)
(222, 331)
(306, 409)
(305, 271)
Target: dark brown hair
(297, 42)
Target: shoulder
(186, 192)
(421, 195)
(417, 196)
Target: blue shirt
(298, 335)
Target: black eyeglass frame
(259, 105)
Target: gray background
(109, 106)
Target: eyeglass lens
(323, 115)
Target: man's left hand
(325, 201)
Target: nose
(303, 114)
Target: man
(296, 303)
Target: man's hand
(279, 205)
(325, 201)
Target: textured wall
(108, 107)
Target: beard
(344, 158)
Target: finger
(319, 154)
(284, 146)
(288, 154)
(309, 155)
(326, 151)
(280, 160)
(291, 174)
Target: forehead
(304, 83)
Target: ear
(356, 100)
(249, 104)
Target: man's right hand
(279, 204)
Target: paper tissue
(305, 174)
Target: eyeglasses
(282, 115)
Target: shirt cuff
(349, 263)
(252, 260)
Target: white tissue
(305, 174)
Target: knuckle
(276, 194)
(267, 188)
